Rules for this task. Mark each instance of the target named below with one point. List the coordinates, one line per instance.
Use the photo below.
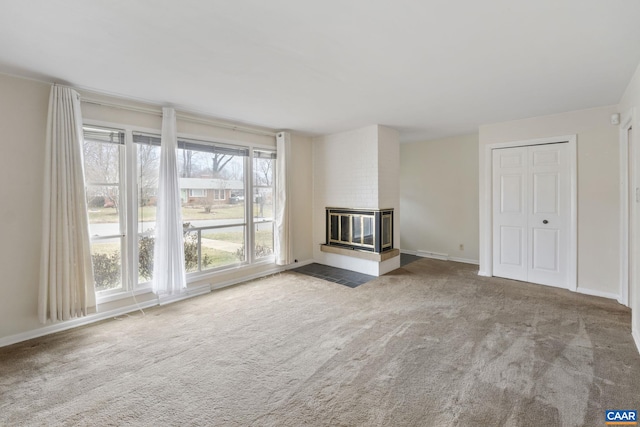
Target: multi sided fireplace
(361, 229)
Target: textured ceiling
(427, 68)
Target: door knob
(545, 222)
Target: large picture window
(226, 196)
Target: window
(219, 195)
(215, 233)
(147, 152)
(220, 220)
(103, 163)
(263, 206)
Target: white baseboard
(433, 255)
(189, 293)
(483, 274)
(636, 337)
(438, 255)
(465, 260)
(274, 270)
(595, 293)
(74, 323)
(232, 282)
(300, 264)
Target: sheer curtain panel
(282, 235)
(67, 288)
(168, 261)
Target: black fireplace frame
(379, 241)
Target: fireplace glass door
(360, 229)
(386, 231)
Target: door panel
(511, 194)
(546, 193)
(512, 160)
(532, 213)
(546, 157)
(546, 250)
(511, 246)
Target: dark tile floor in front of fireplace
(407, 259)
(341, 276)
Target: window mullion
(249, 199)
(131, 211)
(199, 233)
(122, 216)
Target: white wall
(630, 105)
(355, 169)
(598, 189)
(439, 197)
(23, 120)
(23, 117)
(631, 97)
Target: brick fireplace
(358, 168)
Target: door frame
(487, 221)
(627, 241)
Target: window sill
(102, 299)
(192, 278)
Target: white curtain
(67, 287)
(282, 235)
(168, 260)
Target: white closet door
(510, 235)
(532, 217)
(550, 216)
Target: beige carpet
(431, 344)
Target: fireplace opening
(362, 229)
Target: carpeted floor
(431, 344)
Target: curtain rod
(184, 116)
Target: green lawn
(216, 258)
(189, 213)
(217, 212)
(263, 237)
(106, 248)
(102, 215)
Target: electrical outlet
(461, 247)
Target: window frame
(129, 199)
(254, 186)
(122, 211)
(198, 193)
(217, 192)
(191, 142)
